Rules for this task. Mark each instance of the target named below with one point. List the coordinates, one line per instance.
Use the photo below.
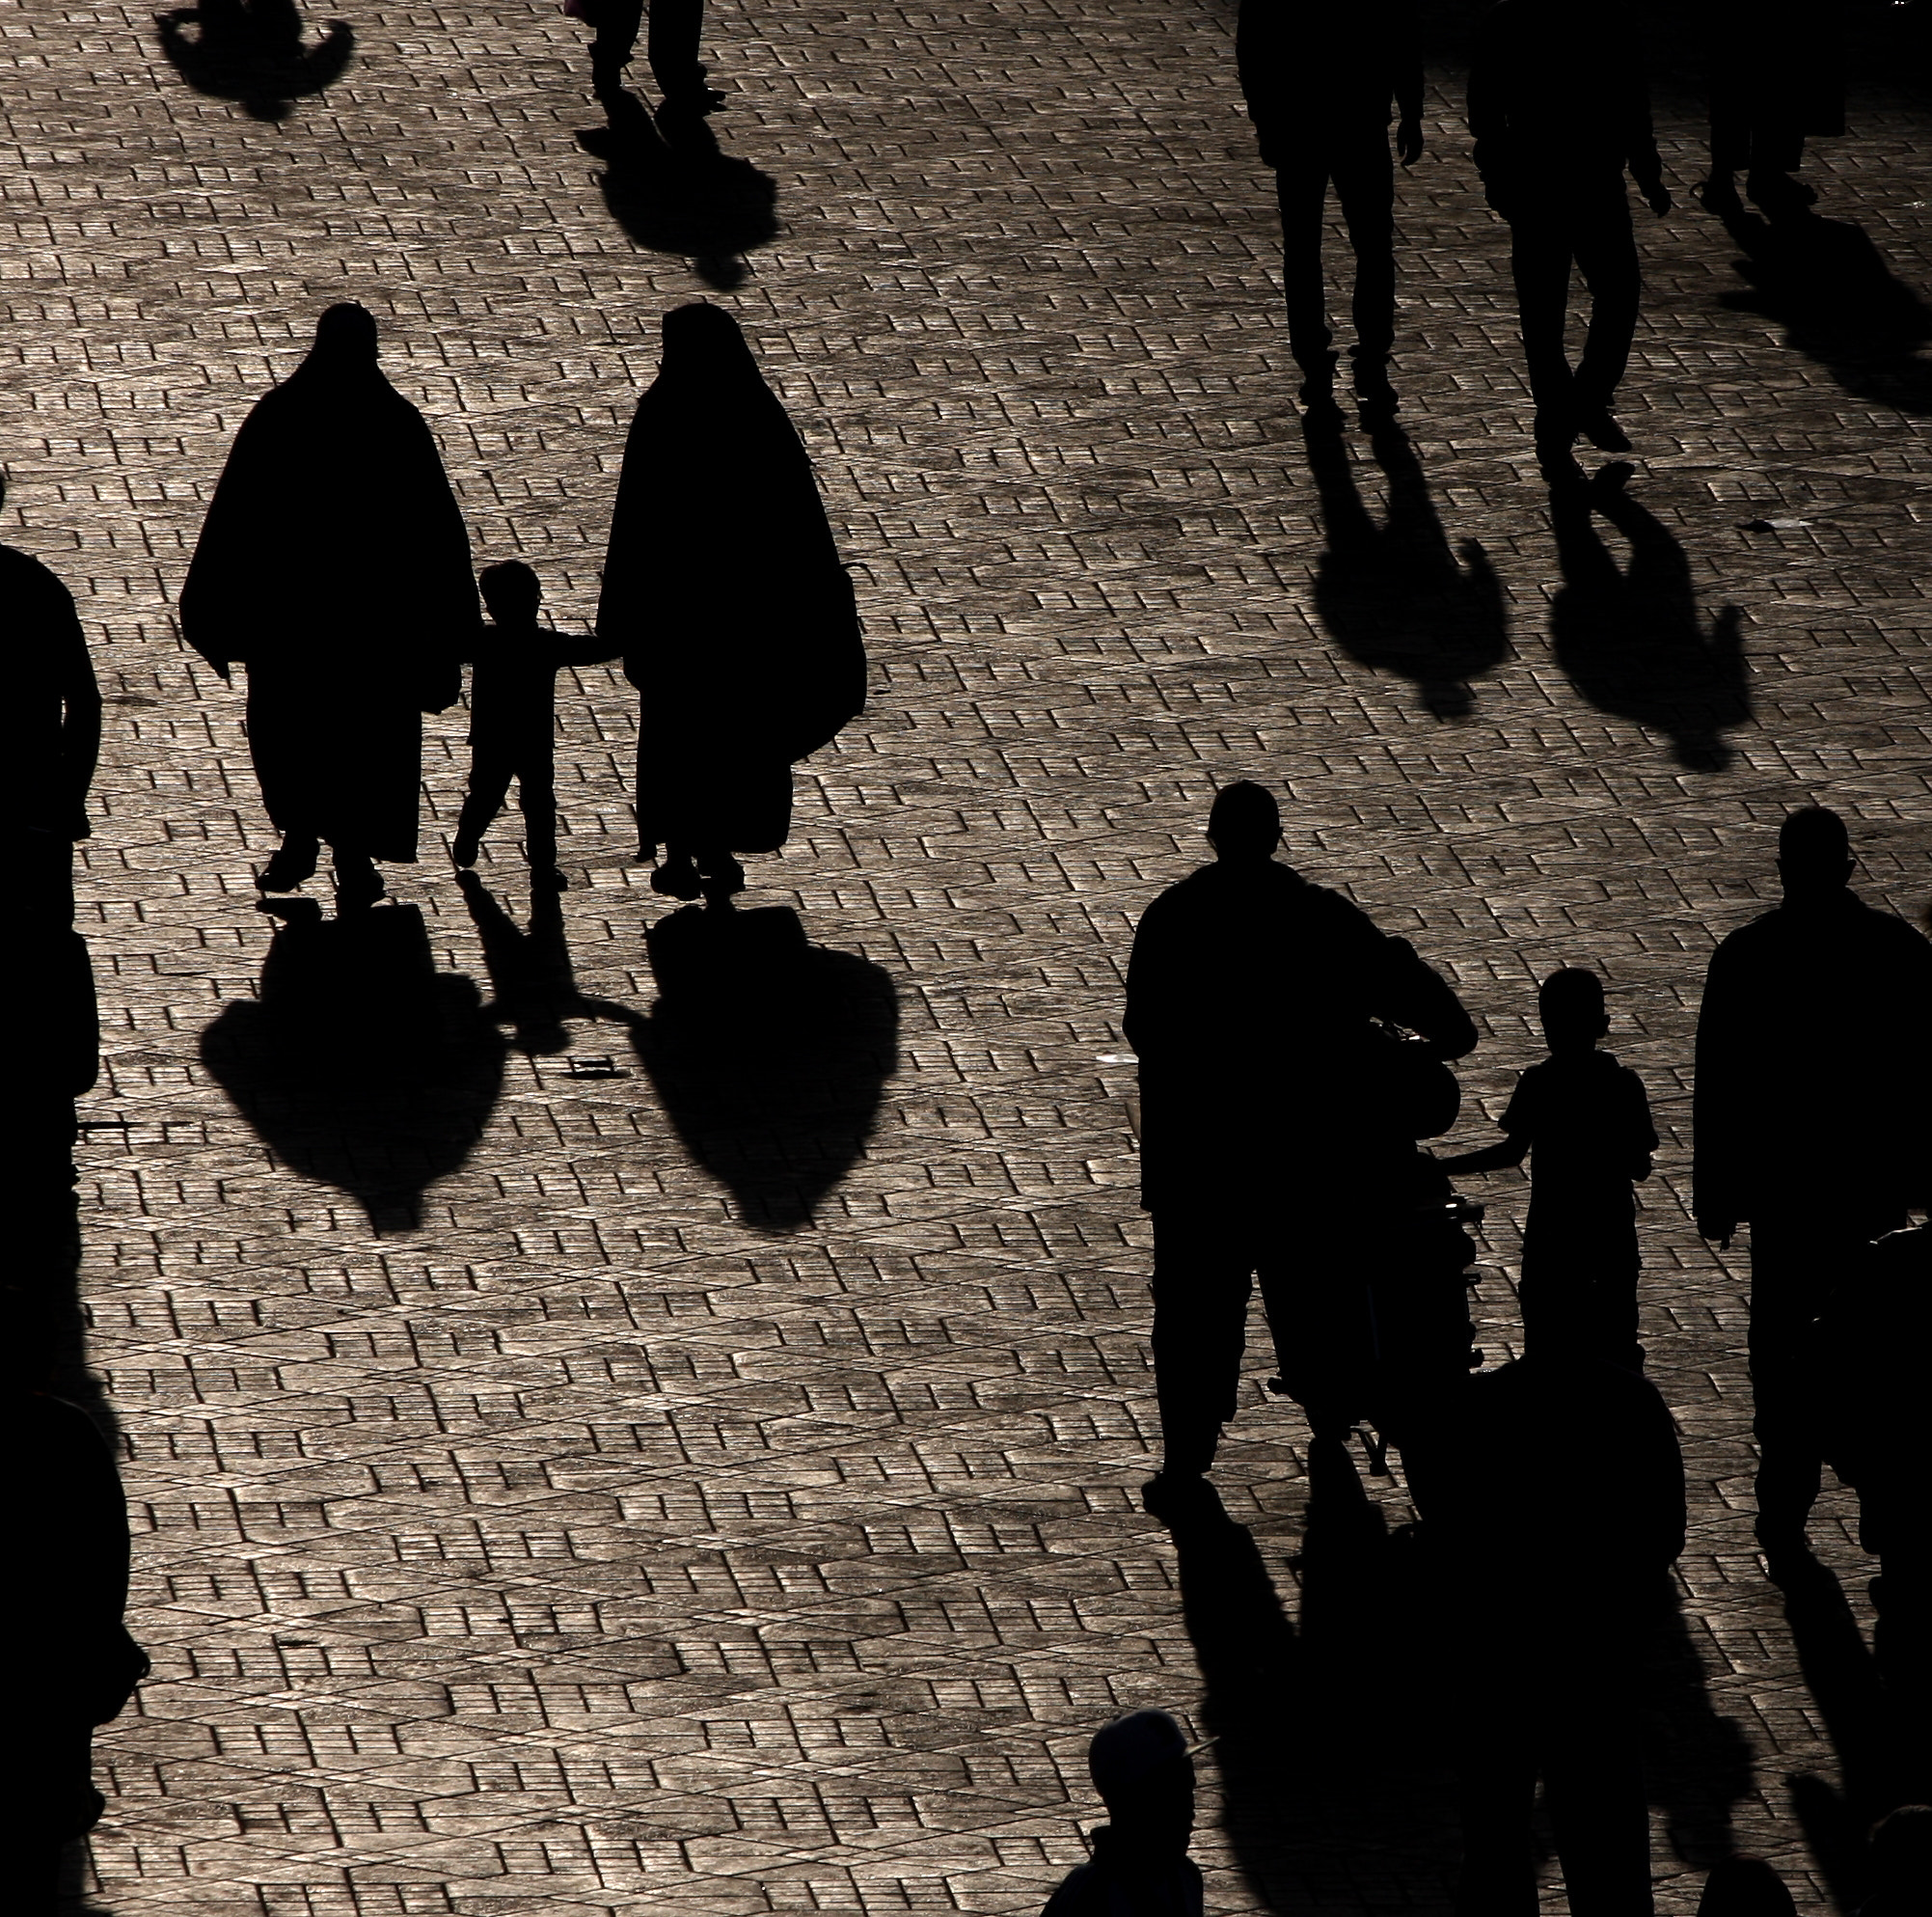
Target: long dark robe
(50, 710)
(724, 591)
(334, 563)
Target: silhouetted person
(514, 720)
(252, 50)
(672, 48)
(1898, 1864)
(1745, 1887)
(1319, 80)
(1584, 1123)
(334, 563)
(1269, 1145)
(1813, 1052)
(1141, 1767)
(1559, 107)
(49, 734)
(1559, 1488)
(724, 593)
(73, 1664)
(1776, 73)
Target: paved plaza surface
(587, 1457)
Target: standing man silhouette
(1319, 79)
(1558, 108)
(1813, 1123)
(1267, 1147)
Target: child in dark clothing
(1141, 1767)
(512, 720)
(1584, 1122)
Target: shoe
(548, 879)
(1719, 194)
(1318, 411)
(724, 880)
(1779, 192)
(1602, 431)
(464, 848)
(1171, 1494)
(1374, 394)
(677, 878)
(1787, 1551)
(360, 886)
(1559, 470)
(290, 867)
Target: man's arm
(81, 716)
(1261, 53)
(1640, 139)
(1406, 61)
(1488, 113)
(1415, 995)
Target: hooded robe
(724, 593)
(334, 563)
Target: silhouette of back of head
(1899, 1863)
(1140, 1766)
(1244, 822)
(512, 591)
(1745, 1887)
(1570, 1003)
(702, 339)
(346, 336)
(1814, 853)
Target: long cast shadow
(360, 1065)
(1394, 596)
(253, 51)
(771, 1054)
(1839, 303)
(1630, 639)
(682, 194)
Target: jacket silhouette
(1813, 1052)
(334, 564)
(1560, 108)
(723, 591)
(1319, 81)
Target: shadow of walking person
(1630, 641)
(769, 1053)
(676, 191)
(1394, 596)
(1839, 303)
(253, 51)
(360, 1065)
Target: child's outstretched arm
(1513, 1150)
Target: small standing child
(514, 720)
(1584, 1122)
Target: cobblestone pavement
(591, 1480)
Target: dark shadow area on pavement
(360, 1065)
(675, 191)
(769, 1053)
(253, 51)
(1394, 596)
(1697, 1765)
(1839, 303)
(1629, 638)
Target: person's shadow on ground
(360, 1065)
(253, 51)
(769, 1053)
(1630, 639)
(1839, 301)
(1394, 596)
(670, 187)
(1327, 1772)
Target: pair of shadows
(253, 51)
(668, 183)
(1628, 635)
(363, 1067)
(1336, 1734)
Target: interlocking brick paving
(567, 1471)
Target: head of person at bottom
(1898, 1864)
(512, 592)
(1140, 1766)
(1570, 1003)
(1814, 855)
(1745, 1887)
(1244, 824)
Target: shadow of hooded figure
(1394, 596)
(335, 565)
(359, 1065)
(724, 591)
(253, 51)
(1630, 639)
(769, 1054)
(673, 190)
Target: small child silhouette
(1141, 1767)
(513, 719)
(1584, 1122)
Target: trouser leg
(676, 28)
(1201, 1284)
(1498, 1790)
(1593, 1789)
(1539, 263)
(1366, 186)
(617, 25)
(1606, 254)
(1301, 188)
(1792, 1267)
(489, 786)
(537, 795)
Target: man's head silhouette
(1815, 854)
(1140, 1766)
(1244, 823)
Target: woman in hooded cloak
(724, 593)
(335, 565)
